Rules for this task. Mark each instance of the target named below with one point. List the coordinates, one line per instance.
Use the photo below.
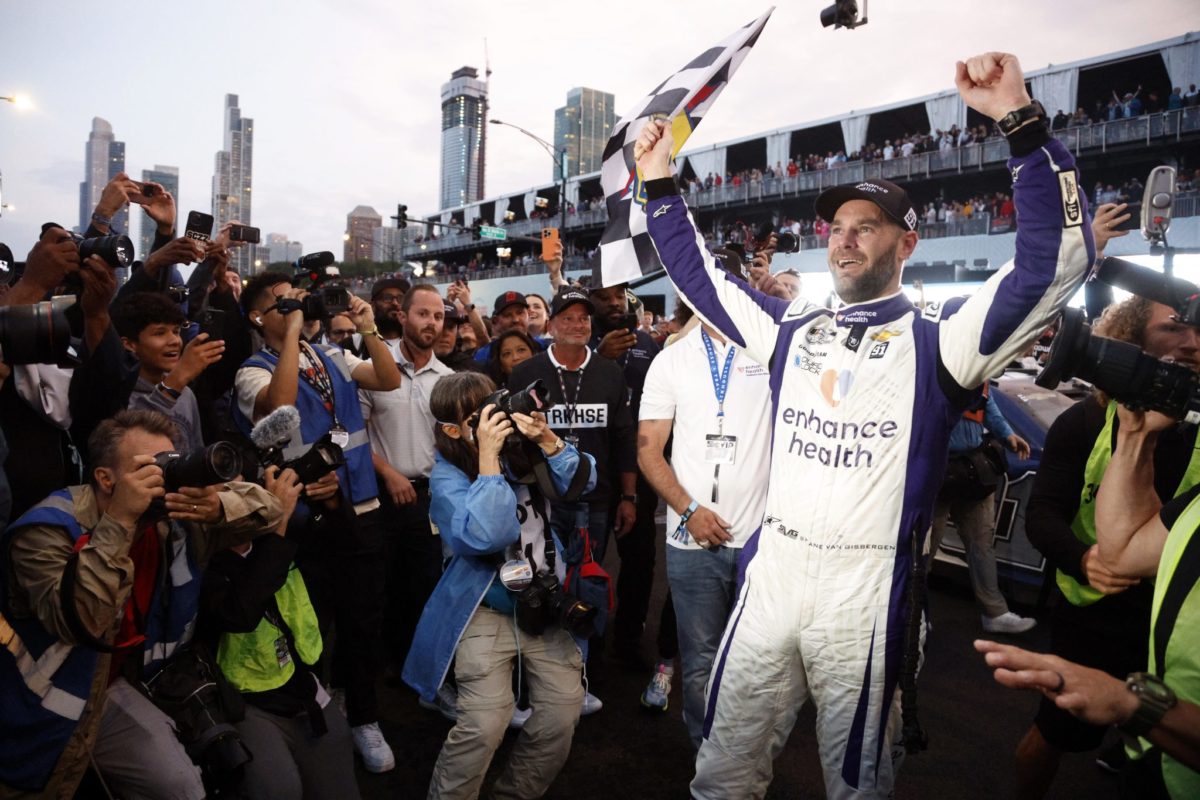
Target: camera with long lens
(324, 298)
(787, 242)
(322, 458)
(526, 401)
(115, 249)
(38, 333)
(543, 604)
(1120, 369)
(216, 463)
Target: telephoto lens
(116, 249)
(217, 463)
(38, 333)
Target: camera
(1121, 370)
(324, 299)
(318, 461)
(178, 293)
(787, 242)
(38, 333)
(543, 604)
(116, 249)
(526, 401)
(216, 463)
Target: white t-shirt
(679, 386)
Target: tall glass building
(464, 100)
(103, 158)
(582, 128)
(231, 184)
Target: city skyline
(582, 128)
(233, 168)
(464, 105)
(360, 225)
(362, 124)
(103, 159)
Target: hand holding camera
(361, 314)
(117, 194)
(48, 263)
(323, 490)
(286, 486)
(616, 343)
(99, 287)
(534, 428)
(159, 205)
(494, 427)
(178, 251)
(135, 491)
(195, 504)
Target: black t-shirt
(1169, 514)
(1054, 499)
(598, 413)
(635, 363)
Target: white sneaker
(520, 717)
(591, 704)
(370, 744)
(1008, 622)
(446, 703)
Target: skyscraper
(463, 99)
(103, 158)
(169, 178)
(582, 128)
(232, 179)
(360, 224)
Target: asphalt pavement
(625, 752)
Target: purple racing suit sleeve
(1053, 252)
(748, 318)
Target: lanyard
(316, 376)
(720, 381)
(574, 399)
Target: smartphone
(199, 226)
(149, 190)
(243, 233)
(549, 243)
(630, 321)
(212, 322)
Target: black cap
(568, 296)
(452, 314)
(389, 283)
(508, 299)
(885, 194)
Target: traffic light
(401, 216)
(477, 229)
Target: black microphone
(1147, 283)
(314, 261)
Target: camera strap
(545, 482)
(315, 375)
(537, 497)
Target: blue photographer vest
(46, 682)
(358, 475)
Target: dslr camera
(324, 298)
(526, 401)
(543, 604)
(115, 249)
(1120, 369)
(39, 333)
(318, 461)
(217, 463)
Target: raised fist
(652, 150)
(992, 84)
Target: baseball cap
(885, 194)
(452, 314)
(509, 299)
(568, 296)
(389, 283)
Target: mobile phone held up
(199, 226)
(244, 233)
(549, 243)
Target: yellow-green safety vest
(1084, 524)
(251, 661)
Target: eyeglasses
(389, 298)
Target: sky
(345, 94)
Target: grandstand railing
(1148, 128)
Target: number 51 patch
(878, 350)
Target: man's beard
(870, 284)
(389, 326)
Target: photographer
(322, 383)
(256, 614)
(103, 579)
(1104, 620)
(487, 518)
(47, 411)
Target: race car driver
(864, 399)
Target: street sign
(488, 232)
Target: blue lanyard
(721, 381)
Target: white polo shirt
(679, 386)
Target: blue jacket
(968, 434)
(475, 520)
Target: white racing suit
(864, 399)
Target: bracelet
(372, 332)
(100, 219)
(629, 498)
(686, 515)
(168, 391)
(559, 446)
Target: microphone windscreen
(275, 428)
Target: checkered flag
(626, 251)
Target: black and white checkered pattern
(626, 252)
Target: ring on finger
(704, 544)
(1061, 683)
(193, 508)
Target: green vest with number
(252, 661)
(1084, 524)
(1175, 631)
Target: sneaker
(370, 744)
(1008, 622)
(591, 704)
(520, 717)
(445, 704)
(656, 693)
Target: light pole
(561, 163)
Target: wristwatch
(1014, 120)
(1155, 698)
(168, 391)
(630, 498)
(100, 219)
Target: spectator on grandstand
(1061, 120)
(1079, 118)
(1175, 100)
(1191, 97)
